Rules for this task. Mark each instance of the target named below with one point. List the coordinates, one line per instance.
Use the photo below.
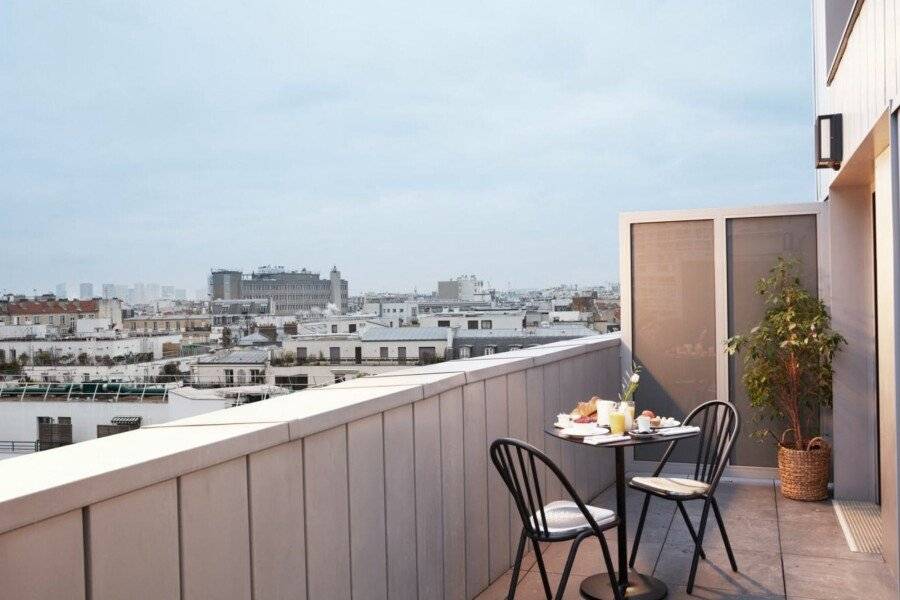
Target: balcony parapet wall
(379, 487)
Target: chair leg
(687, 521)
(542, 569)
(516, 566)
(697, 546)
(613, 579)
(718, 515)
(569, 561)
(639, 531)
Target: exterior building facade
(290, 292)
(152, 324)
(234, 367)
(515, 319)
(466, 288)
(857, 75)
(68, 350)
(229, 312)
(62, 314)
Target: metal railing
(90, 391)
(26, 447)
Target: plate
(642, 434)
(675, 424)
(583, 430)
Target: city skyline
(500, 145)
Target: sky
(404, 142)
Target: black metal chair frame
(717, 435)
(515, 461)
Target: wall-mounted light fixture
(829, 141)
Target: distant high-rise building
(153, 292)
(61, 291)
(139, 295)
(180, 294)
(225, 284)
(168, 292)
(290, 292)
(109, 291)
(121, 291)
(86, 291)
(467, 288)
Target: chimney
(336, 289)
(451, 336)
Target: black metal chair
(558, 521)
(719, 424)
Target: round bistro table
(634, 585)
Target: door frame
(720, 218)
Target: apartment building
(61, 314)
(512, 319)
(290, 292)
(150, 324)
(241, 311)
(233, 367)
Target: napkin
(678, 430)
(595, 440)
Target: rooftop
(236, 357)
(52, 307)
(403, 334)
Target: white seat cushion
(676, 486)
(563, 516)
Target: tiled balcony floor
(783, 549)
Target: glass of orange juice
(617, 423)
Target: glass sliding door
(673, 303)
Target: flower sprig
(630, 383)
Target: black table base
(640, 587)
(637, 586)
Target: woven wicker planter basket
(804, 473)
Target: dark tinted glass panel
(674, 320)
(754, 245)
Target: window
(293, 382)
(334, 354)
(465, 351)
(487, 324)
(301, 354)
(443, 323)
(427, 354)
(473, 324)
(256, 376)
(334, 329)
(229, 376)
(383, 353)
(401, 355)
(357, 354)
(352, 328)
(837, 15)
(489, 350)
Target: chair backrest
(719, 424)
(517, 461)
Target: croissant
(585, 409)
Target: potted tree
(788, 375)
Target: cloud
(402, 142)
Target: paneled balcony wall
(379, 487)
